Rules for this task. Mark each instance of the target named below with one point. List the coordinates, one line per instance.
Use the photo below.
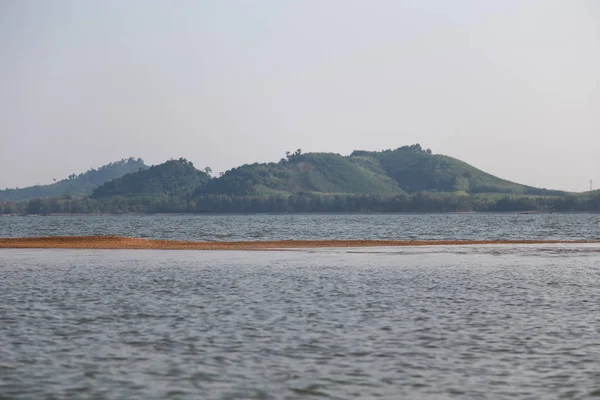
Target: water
(465, 322)
(312, 227)
(468, 322)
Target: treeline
(302, 203)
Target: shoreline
(128, 243)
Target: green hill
(304, 173)
(408, 169)
(415, 169)
(407, 179)
(174, 178)
(76, 185)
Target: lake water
(312, 226)
(464, 322)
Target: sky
(511, 87)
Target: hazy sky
(511, 87)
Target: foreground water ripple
(452, 322)
(312, 226)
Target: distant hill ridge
(415, 170)
(76, 185)
(406, 170)
(299, 173)
(173, 178)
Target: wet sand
(119, 242)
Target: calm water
(472, 322)
(469, 322)
(307, 226)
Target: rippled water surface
(312, 226)
(472, 322)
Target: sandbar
(120, 242)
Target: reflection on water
(312, 226)
(446, 322)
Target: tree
(208, 170)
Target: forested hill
(407, 179)
(405, 171)
(304, 173)
(174, 178)
(408, 169)
(76, 185)
(415, 170)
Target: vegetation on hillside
(76, 185)
(408, 169)
(302, 173)
(416, 170)
(407, 179)
(174, 178)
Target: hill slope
(408, 169)
(416, 170)
(312, 172)
(405, 170)
(76, 185)
(171, 179)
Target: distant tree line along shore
(303, 203)
(407, 179)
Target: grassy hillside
(415, 169)
(76, 185)
(304, 173)
(408, 178)
(408, 169)
(174, 178)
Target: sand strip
(118, 242)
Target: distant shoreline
(533, 212)
(124, 243)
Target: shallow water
(312, 226)
(468, 322)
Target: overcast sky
(511, 87)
